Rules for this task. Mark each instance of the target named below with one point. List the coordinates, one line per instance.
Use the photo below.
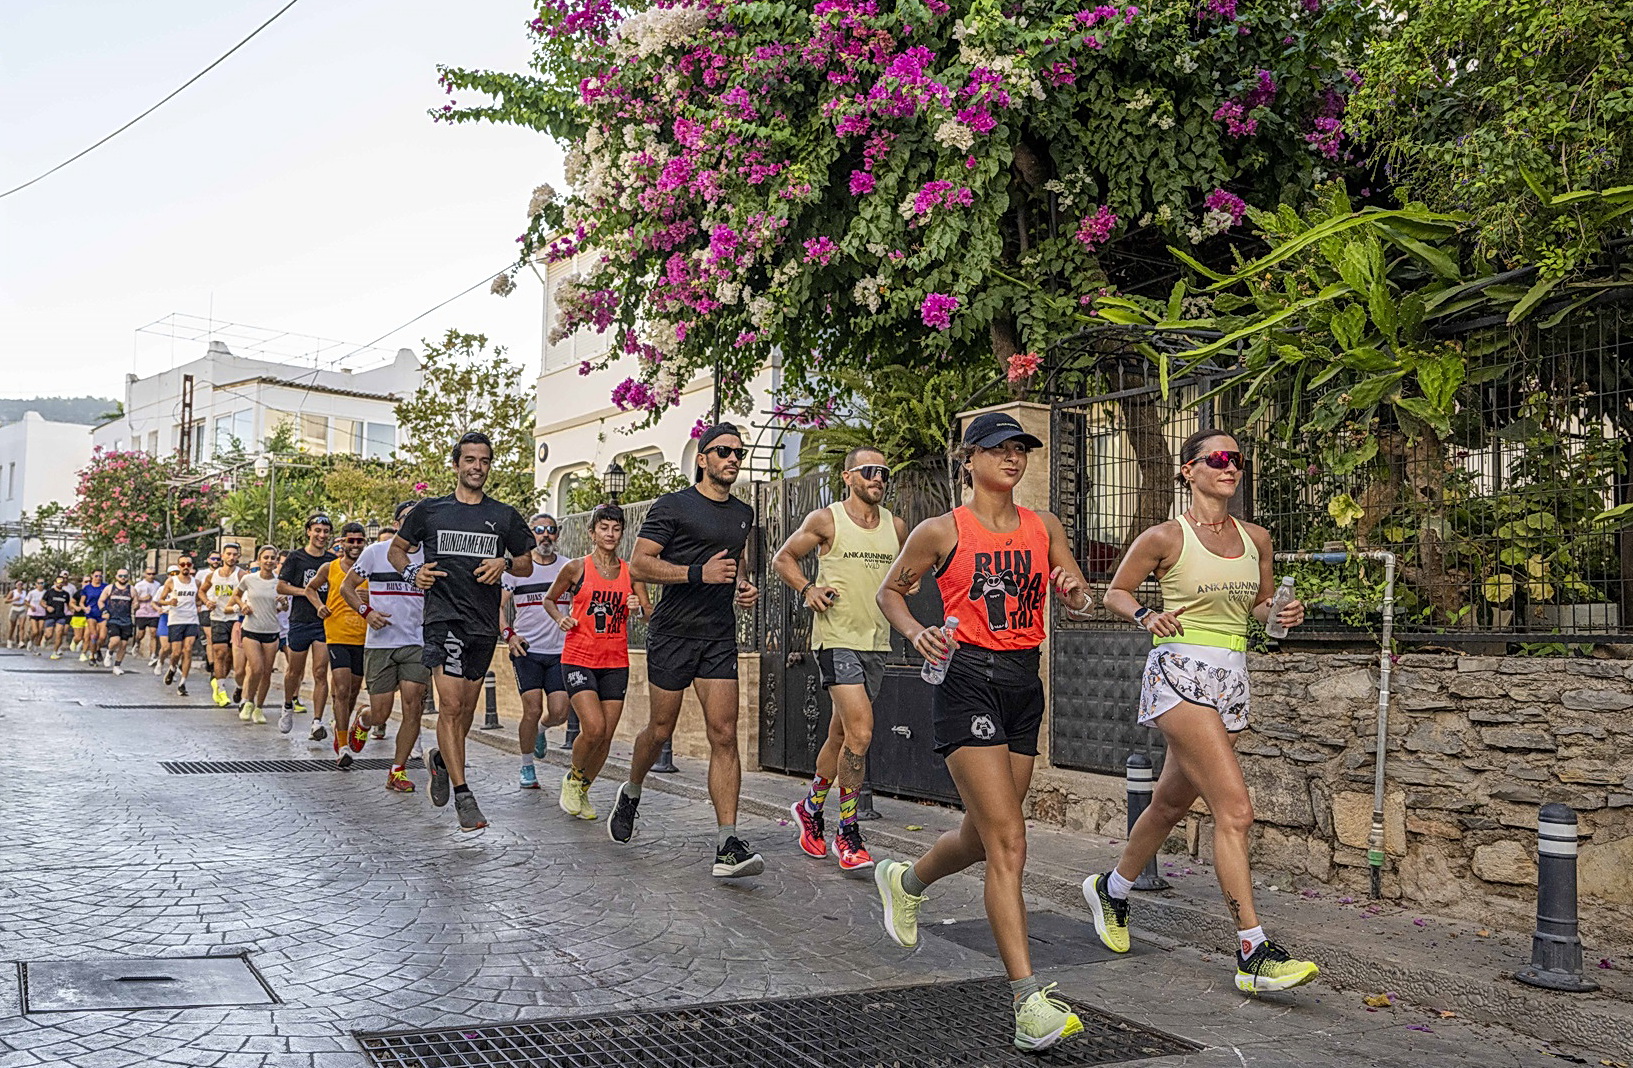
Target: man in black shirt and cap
(692, 542)
(470, 540)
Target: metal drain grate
(943, 1025)
(252, 767)
(54, 671)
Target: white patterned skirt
(1201, 674)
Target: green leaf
(1372, 390)
(1344, 510)
(1349, 459)
(1532, 298)
(1439, 378)
(1428, 413)
(1347, 326)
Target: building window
(380, 441)
(347, 436)
(314, 434)
(235, 430)
(153, 443)
(11, 481)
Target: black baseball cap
(719, 430)
(995, 428)
(397, 512)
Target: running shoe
(169, 676)
(1270, 969)
(440, 787)
(237, 694)
(244, 711)
(1110, 913)
(84, 658)
(378, 732)
(529, 778)
(812, 835)
(586, 810)
(256, 715)
(218, 693)
(117, 670)
(153, 662)
(343, 755)
(397, 781)
(58, 656)
(470, 816)
(735, 859)
(572, 795)
(181, 691)
(621, 824)
(158, 668)
(1042, 1020)
(318, 732)
(359, 736)
(286, 720)
(853, 855)
(901, 908)
(299, 708)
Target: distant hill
(87, 410)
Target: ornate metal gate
(794, 709)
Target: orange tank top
(996, 583)
(601, 606)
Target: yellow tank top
(1217, 592)
(344, 626)
(855, 565)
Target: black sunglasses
(541, 529)
(354, 539)
(871, 472)
(725, 451)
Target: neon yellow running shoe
(586, 810)
(246, 710)
(256, 715)
(572, 797)
(1041, 1021)
(1270, 969)
(901, 908)
(1110, 913)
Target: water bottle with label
(1273, 627)
(936, 670)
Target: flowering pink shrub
(122, 499)
(1023, 365)
(1095, 230)
(937, 310)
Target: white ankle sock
(1250, 940)
(1117, 886)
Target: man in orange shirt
(344, 632)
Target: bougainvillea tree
(130, 500)
(866, 182)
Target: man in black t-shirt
(56, 600)
(692, 542)
(470, 540)
(305, 628)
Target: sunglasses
(871, 472)
(354, 539)
(1222, 458)
(541, 529)
(726, 451)
(318, 520)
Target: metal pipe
(1375, 839)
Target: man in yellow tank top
(344, 632)
(856, 541)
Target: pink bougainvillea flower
(861, 183)
(937, 310)
(1023, 365)
(1229, 203)
(820, 250)
(1095, 230)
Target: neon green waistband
(1193, 636)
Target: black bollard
(666, 760)
(572, 730)
(490, 690)
(1556, 950)
(864, 799)
(1140, 784)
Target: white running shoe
(117, 670)
(286, 721)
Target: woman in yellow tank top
(1215, 573)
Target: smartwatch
(1140, 614)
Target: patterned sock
(578, 776)
(819, 794)
(1250, 940)
(847, 807)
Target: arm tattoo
(906, 577)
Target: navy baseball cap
(995, 428)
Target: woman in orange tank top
(994, 563)
(595, 658)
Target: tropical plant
(869, 183)
(905, 414)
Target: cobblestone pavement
(366, 910)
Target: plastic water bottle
(1273, 627)
(936, 670)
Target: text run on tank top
(1217, 592)
(996, 584)
(185, 610)
(855, 565)
(601, 606)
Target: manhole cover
(1057, 940)
(936, 1026)
(138, 983)
(253, 767)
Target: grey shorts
(386, 669)
(852, 667)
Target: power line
(155, 107)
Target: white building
(235, 398)
(579, 431)
(39, 464)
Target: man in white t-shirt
(146, 616)
(535, 643)
(394, 609)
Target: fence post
(1140, 784)
(490, 690)
(1556, 950)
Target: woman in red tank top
(993, 562)
(595, 657)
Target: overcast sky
(298, 186)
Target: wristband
(509, 633)
(365, 610)
(411, 570)
(694, 574)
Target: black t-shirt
(692, 528)
(457, 537)
(56, 603)
(298, 570)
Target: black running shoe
(735, 860)
(440, 787)
(470, 816)
(181, 691)
(621, 824)
(169, 676)
(238, 696)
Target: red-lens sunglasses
(1220, 459)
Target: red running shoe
(812, 837)
(853, 855)
(359, 736)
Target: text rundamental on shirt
(457, 538)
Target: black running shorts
(346, 658)
(988, 698)
(448, 646)
(221, 631)
(305, 635)
(538, 671)
(609, 684)
(180, 631)
(673, 662)
(122, 631)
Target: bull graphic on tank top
(1007, 588)
(996, 582)
(610, 611)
